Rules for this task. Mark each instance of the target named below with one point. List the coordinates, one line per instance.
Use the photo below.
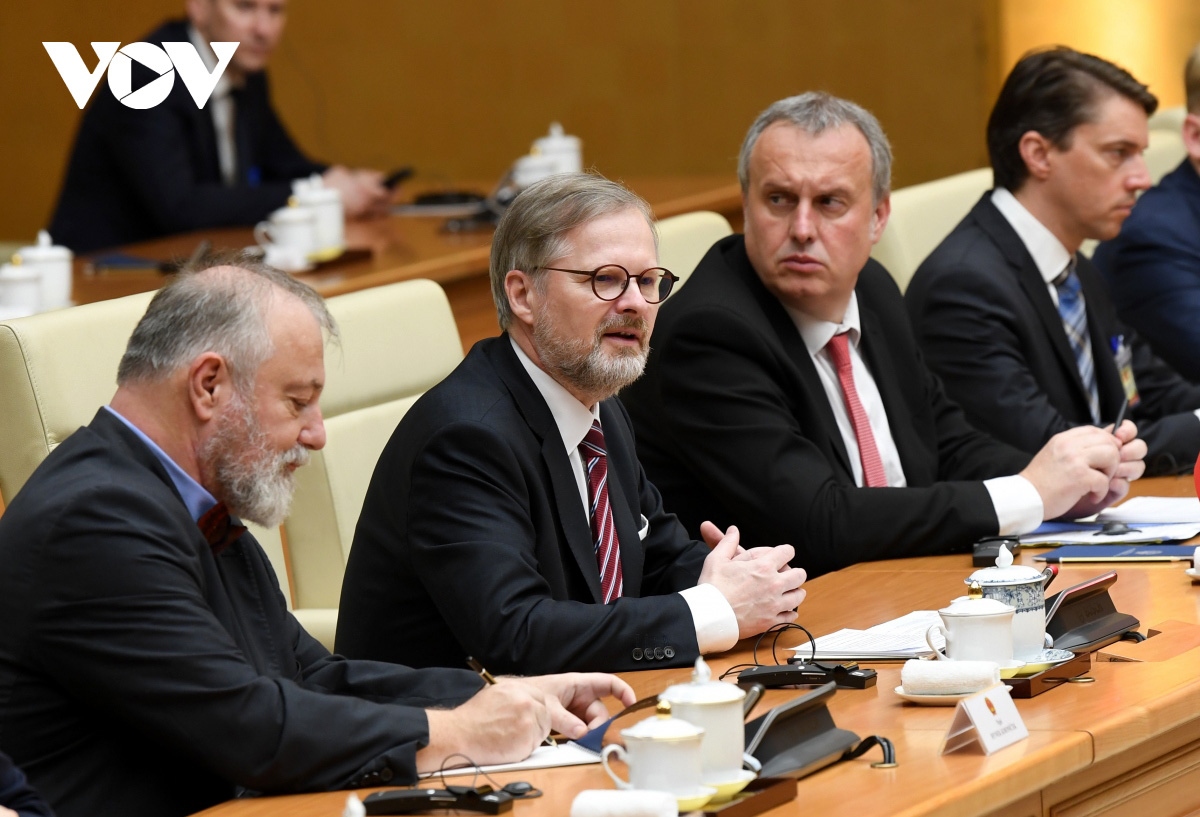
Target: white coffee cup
(975, 629)
(662, 752)
(326, 205)
(716, 707)
(290, 227)
(53, 262)
(20, 290)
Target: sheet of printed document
(896, 640)
(1151, 509)
(543, 757)
(1090, 535)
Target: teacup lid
(976, 607)
(702, 689)
(292, 213)
(44, 250)
(16, 272)
(1005, 572)
(661, 726)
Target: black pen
(487, 677)
(1121, 415)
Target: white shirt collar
(1050, 256)
(573, 418)
(209, 58)
(817, 333)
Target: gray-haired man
(784, 382)
(508, 517)
(148, 664)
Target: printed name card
(988, 718)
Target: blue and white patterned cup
(1023, 588)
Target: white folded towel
(948, 677)
(629, 803)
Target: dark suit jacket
(473, 540)
(17, 794)
(1153, 269)
(139, 675)
(734, 426)
(139, 174)
(988, 326)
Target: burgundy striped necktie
(872, 464)
(604, 534)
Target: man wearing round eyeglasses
(509, 519)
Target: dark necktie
(1073, 311)
(218, 528)
(872, 464)
(604, 534)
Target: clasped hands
(759, 583)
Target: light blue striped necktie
(1073, 311)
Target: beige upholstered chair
(397, 341)
(683, 240)
(1168, 119)
(56, 370)
(923, 215)
(1165, 152)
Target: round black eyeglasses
(610, 281)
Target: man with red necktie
(508, 517)
(785, 390)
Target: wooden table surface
(406, 247)
(1131, 739)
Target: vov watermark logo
(165, 61)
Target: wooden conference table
(400, 248)
(1127, 744)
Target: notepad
(543, 757)
(1109, 553)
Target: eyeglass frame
(629, 276)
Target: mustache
(297, 455)
(623, 322)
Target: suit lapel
(878, 356)
(793, 346)
(575, 525)
(1034, 286)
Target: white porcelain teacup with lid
(975, 629)
(1024, 588)
(716, 707)
(663, 754)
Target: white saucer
(728, 788)
(1191, 571)
(935, 700)
(1009, 670)
(1045, 660)
(698, 799)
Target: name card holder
(988, 719)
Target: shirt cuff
(1197, 413)
(716, 623)
(1018, 504)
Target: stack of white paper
(1148, 509)
(896, 640)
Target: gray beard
(251, 479)
(587, 368)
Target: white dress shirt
(1049, 255)
(1017, 503)
(223, 109)
(713, 617)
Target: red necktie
(604, 534)
(872, 466)
(218, 528)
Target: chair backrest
(923, 215)
(683, 240)
(56, 370)
(1169, 118)
(396, 342)
(1164, 153)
